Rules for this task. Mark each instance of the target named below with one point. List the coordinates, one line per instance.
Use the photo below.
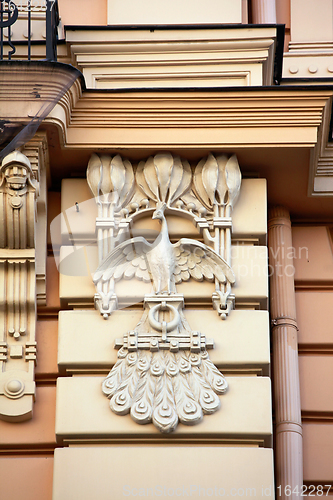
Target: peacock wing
(125, 261)
(195, 259)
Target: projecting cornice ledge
(215, 119)
(321, 161)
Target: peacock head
(159, 211)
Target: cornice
(321, 161)
(213, 119)
(174, 57)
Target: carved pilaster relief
(217, 183)
(163, 373)
(18, 193)
(37, 152)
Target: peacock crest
(164, 178)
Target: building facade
(166, 195)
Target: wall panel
(87, 473)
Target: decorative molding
(310, 51)
(321, 159)
(163, 374)
(189, 58)
(231, 339)
(219, 119)
(18, 190)
(164, 183)
(36, 150)
(18, 193)
(214, 120)
(310, 47)
(309, 61)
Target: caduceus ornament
(163, 374)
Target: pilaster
(36, 151)
(20, 182)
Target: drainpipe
(263, 11)
(288, 446)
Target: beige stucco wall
(318, 453)
(174, 12)
(47, 340)
(83, 12)
(34, 481)
(100, 472)
(241, 343)
(321, 26)
(36, 434)
(314, 298)
(316, 371)
(313, 254)
(245, 415)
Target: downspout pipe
(288, 445)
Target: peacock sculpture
(163, 374)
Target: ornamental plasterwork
(18, 193)
(163, 373)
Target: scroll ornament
(163, 373)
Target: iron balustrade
(9, 14)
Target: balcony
(28, 29)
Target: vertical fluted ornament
(18, 348)
(289, 456)
(264, 11)
(111, 181)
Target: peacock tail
(164, 387)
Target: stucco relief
(18, 193)
(163, 373)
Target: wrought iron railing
(11, 12)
